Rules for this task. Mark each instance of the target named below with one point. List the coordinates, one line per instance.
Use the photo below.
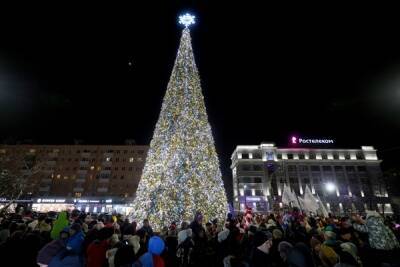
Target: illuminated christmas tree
(181, 174)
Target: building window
(303, 168)
(117, 159)
(335, 155)
(315, 168)
(122, 177)
(361, 168)
(245, 155)
(257, 167)
(78, 194)
(312, 155)
(108, 159)
(130, 168)
(290, 156)
(279, 156)
(338, 168)
(324, 156)
(245, 167)
(301, 156)
(327, 168)
(130, 159)
(256, 155)
(349, 168)
(116, 169)
(291, 168)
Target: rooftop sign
(298, 140)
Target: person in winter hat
(72, 255)
(127, 254)
(348, 256)
(152, 258)
(328, 256)
(50, 250)
(284, 248)
(379, 235)
(96, 251)
(59, 225)
(114, 245)
(383, 242)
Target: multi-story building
(76, 173)
(344, 179)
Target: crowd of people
(289, 238)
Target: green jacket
(59, 225)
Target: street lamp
(245, 197)
(330, 187)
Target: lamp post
(245, 197)
(330, 188)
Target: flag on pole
(324, 211)
(294, 199)
(310, 203)
(286, 197)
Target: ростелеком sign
(296, 140)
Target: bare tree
(15, 176)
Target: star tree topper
(187, 20)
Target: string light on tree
(181, 175)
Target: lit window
(130, 159)
(108, 159)
(92, 168)
(65, 177)
(98, 168)
(58, 176)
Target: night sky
(99, 73)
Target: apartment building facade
(70, 174)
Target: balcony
(84, 163)
(250, 173)
(44, 189)
(78, 189)
(102, 189)
(106, 163)
(82, 171)
(51, 162)
(85, 154)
